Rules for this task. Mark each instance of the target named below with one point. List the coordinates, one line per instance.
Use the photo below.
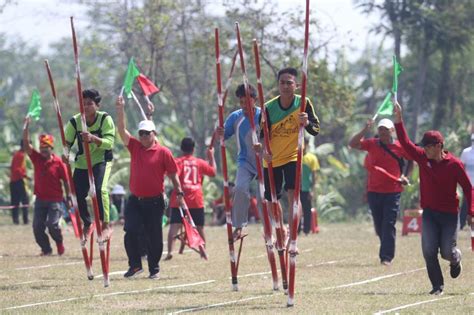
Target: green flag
(397, 69)
(130, 76)
(386, 108)
(34, 110)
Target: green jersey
(102, 127)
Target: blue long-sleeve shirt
(238, 124)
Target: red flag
(147, 86)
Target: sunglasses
(143, 133)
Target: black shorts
(286, 172)
(196, 213)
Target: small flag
(147, 86)
(130, 76)
(397, 69)
(34, 109)
(386, 108)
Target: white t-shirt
(467, 157)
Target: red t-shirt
(18, 166)
(377, 156)
(438, 180)
(48, 175)
(148, 168)
(220, 202)
(191, 171)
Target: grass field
(337, 272)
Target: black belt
(154, 198)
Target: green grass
(340, 254)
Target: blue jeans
(439, 235)
(384, 208)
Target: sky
(44, 22)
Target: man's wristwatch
(180, 193)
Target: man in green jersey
(100, 135)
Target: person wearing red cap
(18, 186)
(49, 172)
(440, 173)
(149, 163)
(384, 163)
(191, 171)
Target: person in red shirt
(218, 207)
(191, 171)
(149, 163)
(440, 173)
(18, 186)
(385, 182)
(49, 172)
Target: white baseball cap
(387, 123)
(118, 190)
(146, 125)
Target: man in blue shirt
(238, 123)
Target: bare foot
(106, 231)
(169, 257)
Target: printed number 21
(190, 174)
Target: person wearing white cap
(385, 181)
(149, 162)
(467, 158)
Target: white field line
(121, 272)
(48, 266)
(106, 295)
(413, 304)
(200, 308)
(28, 282)
(278, 270)
(303, 251)
(372, 280)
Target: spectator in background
(19, 196)
(467, 158)
(308, 185)
(118, 200)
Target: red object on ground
(314, 221)
(412, 222)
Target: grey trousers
(47, 215)
(439, 235)
(241, 201)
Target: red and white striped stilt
(72, 187)
(296, 200)
(102, 248)
(276, 210)
(266, 218)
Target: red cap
(46, 141)
(431, 137)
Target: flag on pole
(34, 109)
(397, 69)
(130, 76)
(386, 108)
(147, 85)
(133, 73)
